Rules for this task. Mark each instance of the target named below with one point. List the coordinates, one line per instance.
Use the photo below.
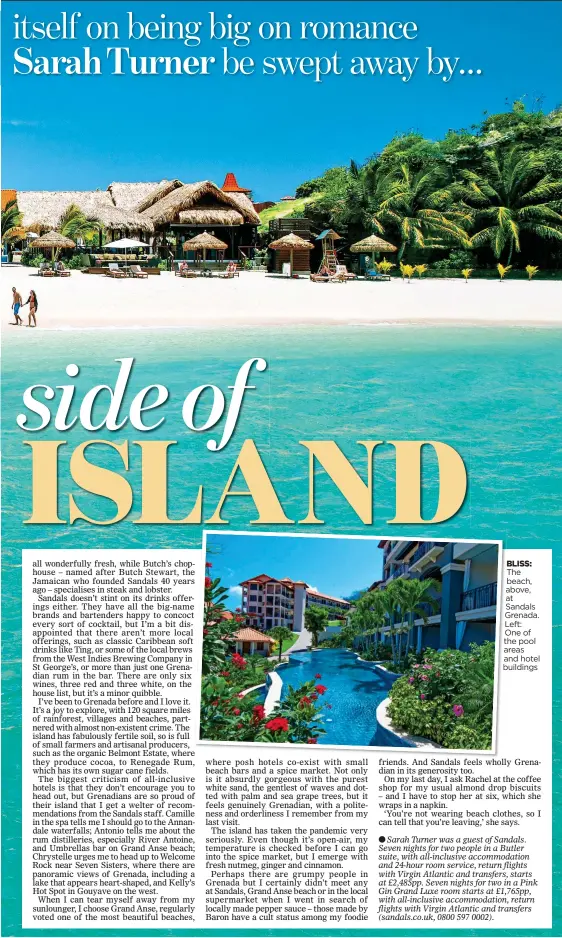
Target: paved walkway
(303, 642)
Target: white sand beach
(86, 301)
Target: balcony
(281, 226)
(481, 597)
(397, 548)
(430, 610)
(426, 553)
(401, 570)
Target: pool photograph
(349, 641)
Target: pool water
(354, 690)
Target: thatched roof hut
(203, 198)
(42, 210)
(291, 241)
(140, 208)
(204, 242)
(373, 245)
(162, 189)
(293, 249)
(211, 215)
(54, 239)
(128, 195)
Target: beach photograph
(349, 641)
(462, 229)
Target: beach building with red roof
(230, 184)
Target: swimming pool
(354, 690)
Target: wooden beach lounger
(184, 271)
(135, 271)
(342, 271)
(230, 272)
(114, 271)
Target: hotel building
(466, 602)
(268, 602)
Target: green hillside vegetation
(489, 194)
(285, 209)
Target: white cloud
(235, 590)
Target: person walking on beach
(16, 303)
(33, 305)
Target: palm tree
(369, 614)
(413, 597)
(11, 219)
(74, 224)
(389, 605)
(315, 620)
(512, 195)
(281, 634)
(419, 207)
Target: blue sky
(85, 131)
(336, 566)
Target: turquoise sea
(494, 394)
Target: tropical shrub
(531, 270)
(502, 271)
(78, 261)
(245, 671)
(30, 259)
(226, 715)
(382, 652)
(448, 697)
(466, 272)
(420, 269)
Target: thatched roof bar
(167, 209)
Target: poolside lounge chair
(114, 271)
(136, 271)
(60, 270)
(45, 270)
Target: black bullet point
(382, 840)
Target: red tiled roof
(230, 184)
(334, 599)
(247, 634)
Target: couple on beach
(17, 303)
